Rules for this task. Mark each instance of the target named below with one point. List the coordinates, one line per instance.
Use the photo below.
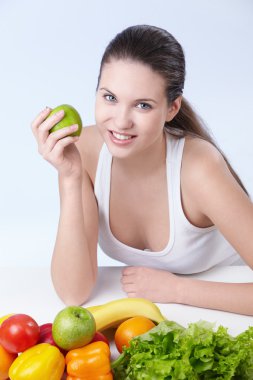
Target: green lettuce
(172, 352)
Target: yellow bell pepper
(2, 319)
(40, 362)
(91, 362)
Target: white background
(50, 53)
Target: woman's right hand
(57, 147)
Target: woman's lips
(121, 138)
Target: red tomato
(19, 332)
(100, 337)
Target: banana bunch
(112, 314)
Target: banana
(111, 314)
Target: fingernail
(74, 127)
(61, 112)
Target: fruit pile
(73, 346)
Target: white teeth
(121, 137)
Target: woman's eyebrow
(136, 100)
(106, 89)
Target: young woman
(148, 183)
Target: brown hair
(158, 49)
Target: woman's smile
(121, 138)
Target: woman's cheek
(102, 114)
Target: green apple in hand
(71, 116)
(73, 327)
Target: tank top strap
(175, 147)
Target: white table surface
(30, 291)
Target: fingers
(52, 146)
(56, 136)
(61, 144)
(128, 281)
(129, 289)
(128, 270)
(42, 124)
(39, 119)
(131, 295)
(58, 140)
(44, 128)
(56, 153)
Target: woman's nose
(122, 119)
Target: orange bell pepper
(6, 360)
(91, 362)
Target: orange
(130, 328)
(6, 359)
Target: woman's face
(131, 107)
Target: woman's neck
(146, 162)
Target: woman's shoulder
(89, 146)
(201, 154)
(201, 161)
(203, 169)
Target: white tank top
(190, 249)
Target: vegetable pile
(151, 347)
(30, 352)
(170, 351)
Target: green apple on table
(73, 327)
(71, 116)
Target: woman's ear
(174, 108)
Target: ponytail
(187, 122)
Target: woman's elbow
(76, 298)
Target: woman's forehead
(121, 75)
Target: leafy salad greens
(172, 352)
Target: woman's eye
(144, 106)
(110, 98)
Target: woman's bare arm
(74, 262)
(216, 195)
(219, 197)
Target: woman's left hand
(153, 284)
